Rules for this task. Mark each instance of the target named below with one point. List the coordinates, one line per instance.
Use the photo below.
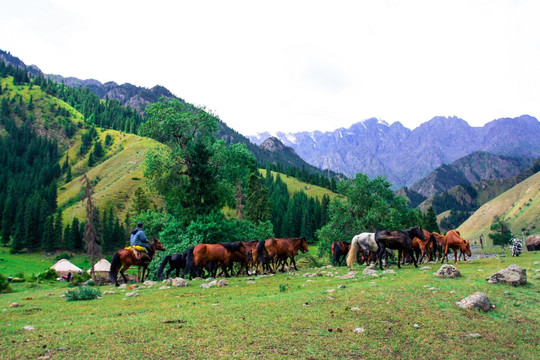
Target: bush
(50, 274)
(82, 293)
(63, 255)
(78, 279)
(4, 285)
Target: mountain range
(404, 156)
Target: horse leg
(411, 253)
(122, 270)
(380, 254)
(294, 263)
(455, 256)
(398, 258)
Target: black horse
(398, 240)
(175, 261)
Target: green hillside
(115, 179)
(520, 206)
(294, 185)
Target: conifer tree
(92, 236)
(258, 207)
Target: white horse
(366, 241)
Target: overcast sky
(297, 65)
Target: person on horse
(138, 238)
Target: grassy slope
(116, 178)
(520, 205)
(284, 316)
(294, 185)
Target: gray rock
(222, 283)
(512, 275)
(425, 268)
(179, 282)
(448, 271)
(477, 301)
(389, 271)
(149, 282)
(164, 287)
(358, 330)
(350, 275)
(132, 294)
(29, 328)
(416, 326)
(473, 335)
(108, 292)
(341, 287)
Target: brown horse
(454, 241)
(214, 255)
(278, 250)
(439, 244)
(339, 251)
(398, 240)
(124, 259)
(252, 255)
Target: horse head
(303, 245)
(158, 245)
(416, 232)
(465, 247)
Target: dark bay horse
(279, 250)
(398, 240)
(214, 255)
(339, 251)
(124, 259)
(175, 261)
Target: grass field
(284, 316)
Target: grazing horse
(278, 250)
(214, 255)
(339, 251)
(175, 261)
(364, 242)
(251, 253)
(126, 258)
(454, 241)
(439, 241)
(398, 240)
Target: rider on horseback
(138, 238)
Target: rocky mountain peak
(272, 144)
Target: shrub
(82, 293)
(78, 279)
(4, 285)
(63, 255)
(50, 274)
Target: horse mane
(234, 246)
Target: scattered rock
(350, 275)
(50, 294)
(108, 292)
(253, 282)
(416, 326)
(213, 283)
(448, 271)
(477, 301)
(512, 275)
(370, 272)
(29, 328)
(179, 282)
(390, 271)
(507, 293)
(123, 286)
(207, 286)
(331, 291)
(358, 330)
(149, 282)
(354, 308)
(133, 286)
(222, 283)
(341, 287)
(425, 268)
(473, 335)
(132, 294)
(533, 243)
(164, 287)
(14, 305)
(536, 263)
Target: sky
(296, 65)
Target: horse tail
(353, 253)
(261, 249)
(162, 266)
(115, 266)
(189, 262)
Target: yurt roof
(102, 265)
(64, 266)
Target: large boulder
(512, 275)
(477, 301)
(533, 243)
(448, 271)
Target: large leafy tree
(500, 232)
(367, 206)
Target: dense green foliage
(82, 293)
(500, 232)
(369, 206)
(4, 285)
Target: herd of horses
(413, 244)
(266, 256)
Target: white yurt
(63, 267)
(101, 268)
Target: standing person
(138, 238)
(481, 242)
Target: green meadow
(283, 316)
